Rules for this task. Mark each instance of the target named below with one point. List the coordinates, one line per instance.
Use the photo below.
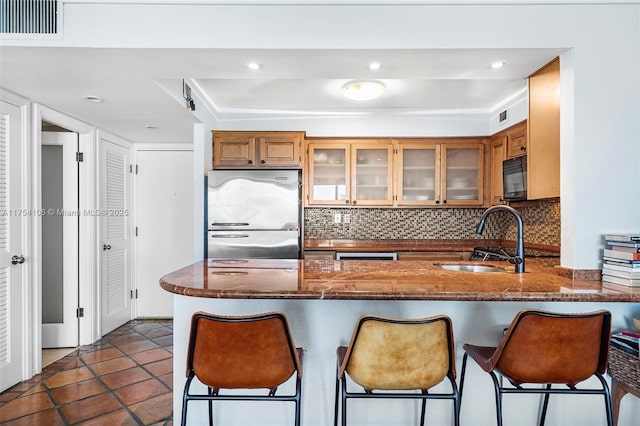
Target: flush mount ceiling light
(363, 90)
(254, 66)
(497, 65)
(373, 66)
(94, 99)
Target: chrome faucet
(518, 259)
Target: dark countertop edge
(416, 245)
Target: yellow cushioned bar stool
(547, 348)
(393, 358)
(243, 352)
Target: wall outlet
(337, 218)
(346, 218)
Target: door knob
(106, 247)
(15, 259)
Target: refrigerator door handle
(230, 236)
(229, 224)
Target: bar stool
(244, 352)
(541, 347)
(387, 354)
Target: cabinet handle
(262, 161)
(250, 161)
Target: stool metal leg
(545, 404)
(496, 385)
(424, 408)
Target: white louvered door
(115, 235)
(11, 216)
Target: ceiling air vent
(26, 18)
(503, 116)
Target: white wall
(600, 123)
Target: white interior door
(12, 294)
(115, 235)
(59, 173)
(164, 221)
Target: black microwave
(514, 179)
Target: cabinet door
(371, 167)
(462, 178)
(517, 145)
(329, 174)
(234, 150)
(498, 155)
(418, 174)
(280, 150)
(543, 149)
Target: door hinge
(136, 231)
(79, 312)
(136, 169)
(79, 157)
(130, 168)
(134, 294)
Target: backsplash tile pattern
(541, 223)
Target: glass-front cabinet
(418, 168)
(329, 174)
(400, 172)
(350, 173)
(371, 167)
(462, 177)
(429, 172)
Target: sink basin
(470, 268)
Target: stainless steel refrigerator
(254, 214)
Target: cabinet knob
(437, 201)
(250, 161)
(354, 202)
(444, 201)
(523, 148)
(346, 201)
(262, 161)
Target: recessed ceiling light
(363, 90)
(150, 126)
(497, 65)
(254, 66)
(373, 66)
(95, 99)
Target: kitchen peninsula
(323, 299)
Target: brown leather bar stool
(244, 352)
(541, 347)
(387, 354)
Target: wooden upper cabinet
(506, 144)
(440, 172)
(328, 174)
(543, 145)
(462, 174)
(417, 173)
(498, 153)
(257, 149)
(517, 140)
(350, 172)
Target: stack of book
(621, 260)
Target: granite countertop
(384, 280)
(414, 245)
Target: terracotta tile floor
(125, 378)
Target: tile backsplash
(541, 223)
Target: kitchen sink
(470, 268)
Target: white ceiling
(141, 87)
